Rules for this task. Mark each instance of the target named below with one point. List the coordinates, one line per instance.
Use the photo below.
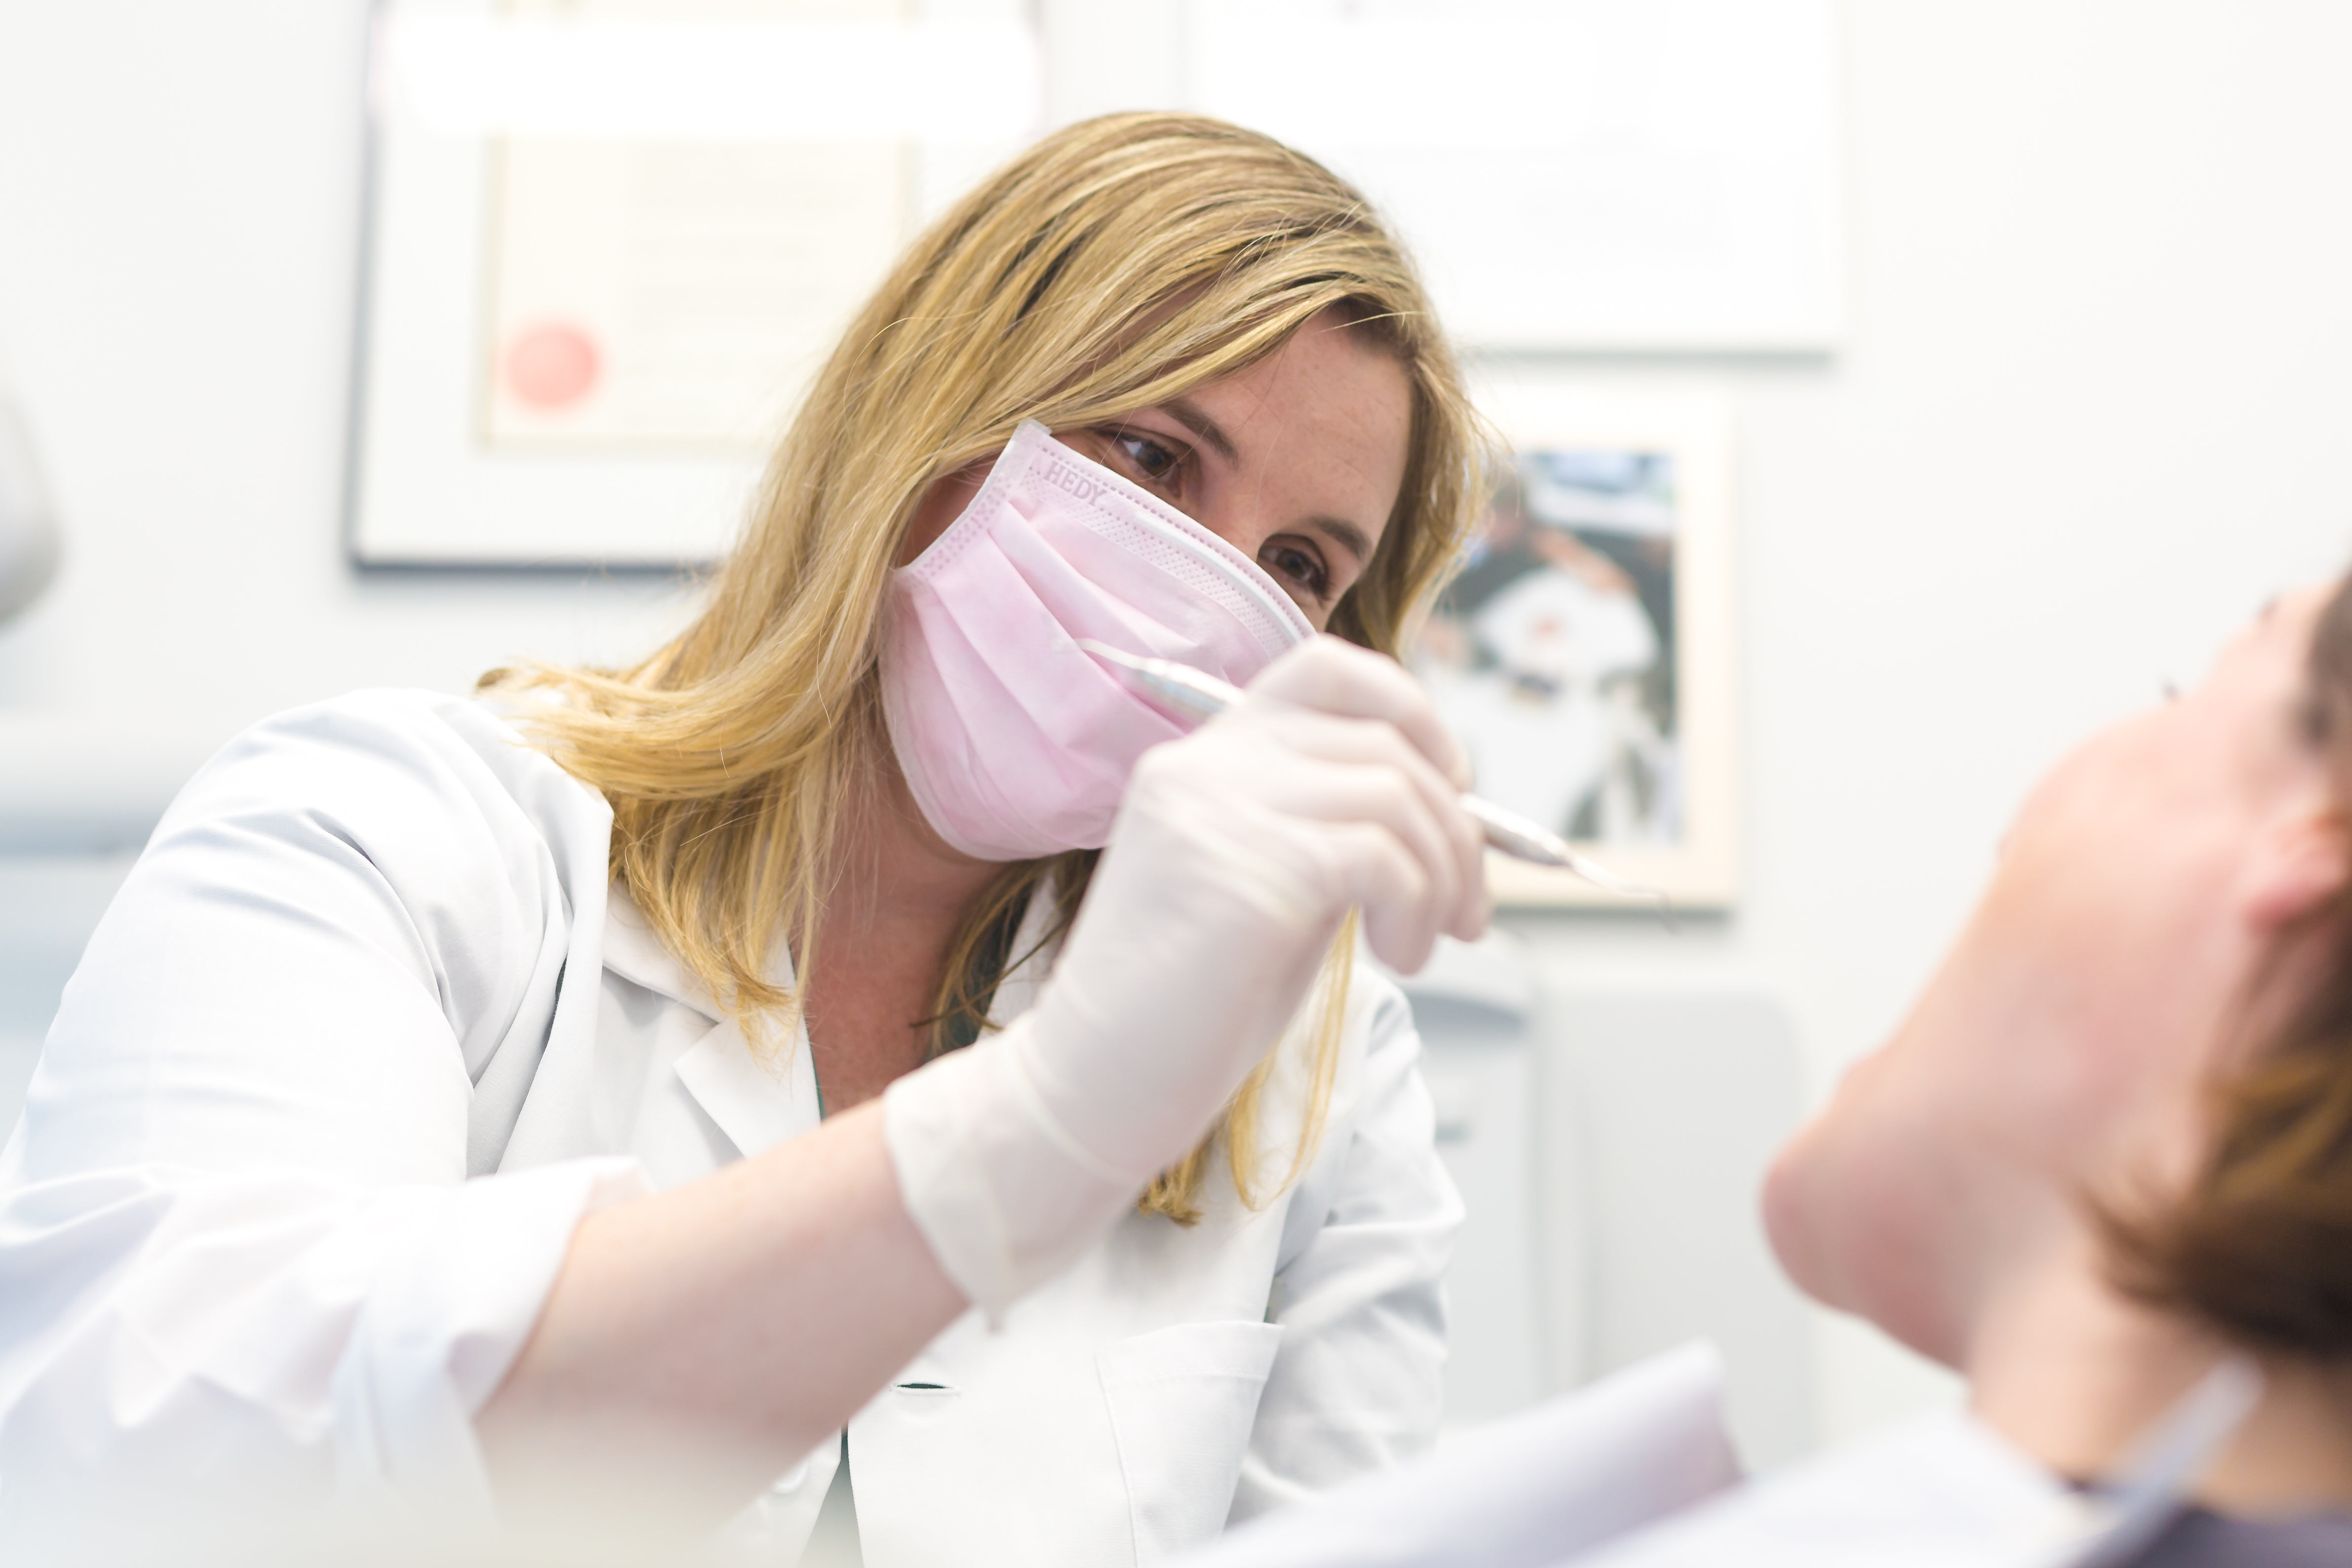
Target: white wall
(179, 206)
(2093, 410)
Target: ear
(2302, 860)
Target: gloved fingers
(1335, 676)
(1378, 743)
(1343, 738)
(1377, 874)
(1469, 916)
(1452, 894)
(1470, 923)
(1363, 743)
(1343, 794)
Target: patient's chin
(1815, 1196)
(1792, 1223)
(1851, 1233)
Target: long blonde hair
(1113, 266)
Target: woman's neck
(901, 893)
(2065, 1367)
(898, 875)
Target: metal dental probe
(1204, 695)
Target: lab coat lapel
(762, 1104)
(634, 953)
(758, 1104)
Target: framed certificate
(610, 240)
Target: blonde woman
(827, 1098)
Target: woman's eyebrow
(1188, 414)
(1343, 533)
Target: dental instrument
(1201, 696)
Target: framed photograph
(1584, 651)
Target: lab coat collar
(634, 953)
(761, 1103)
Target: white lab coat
(359, 1042)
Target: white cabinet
(1610, 1143)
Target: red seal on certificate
(551, 364)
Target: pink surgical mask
(1015, 741)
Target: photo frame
(1585, 650)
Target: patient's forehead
(2285, 624)
(2260, 693)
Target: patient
(2112, 1142)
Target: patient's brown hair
(2261, 1246)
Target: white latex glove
(1236, 853)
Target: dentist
(862, 1039)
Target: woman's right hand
(1337, 776)
(1237, 852)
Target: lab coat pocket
(1183, 1401)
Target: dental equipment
(1201, 696)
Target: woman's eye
(1298, 563)
(1151, 460)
